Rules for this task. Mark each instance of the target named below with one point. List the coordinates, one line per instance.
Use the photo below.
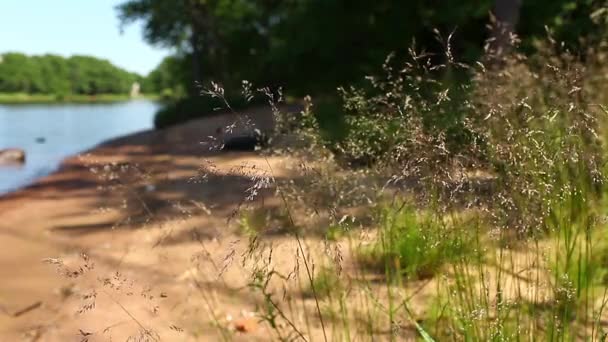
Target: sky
(68, 27)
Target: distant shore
(23, 98)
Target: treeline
(57, 75)
(317, 45)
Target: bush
(167, 94)
(330, 116)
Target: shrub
(329, 114)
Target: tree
(317, 45)
(577, 23)
(322, 44)
(506, 14)
(226, 40)
(185, 24)
(51, 74)
(19, 74)
(54, 73)
(167, 78)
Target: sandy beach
(106, 247)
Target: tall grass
(416, 245)
(495, 224)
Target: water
(67, 129)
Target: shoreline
(176, 139)
(53, 99)
(72, 163)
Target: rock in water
(11, 156)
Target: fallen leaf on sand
(246, 324)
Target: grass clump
(326, 282)
(263, 221)
(415, 244)
(335, 232)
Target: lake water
(67, 129)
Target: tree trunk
(506, 13)
(198, 18)
(196, 64)
(204, 36)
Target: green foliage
(315, 46)
(324, 44)
(19, 73)
(259, 221)
(321, 44)
(304, 45)
(329, 114)
(90, 75)
(326, 282)
(168, 79)
(579, 24)
(50, 74)
(335, 232)
(223, 40)
(252, 222)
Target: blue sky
(67, 27)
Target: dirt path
(108, 246)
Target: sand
(107, 246)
